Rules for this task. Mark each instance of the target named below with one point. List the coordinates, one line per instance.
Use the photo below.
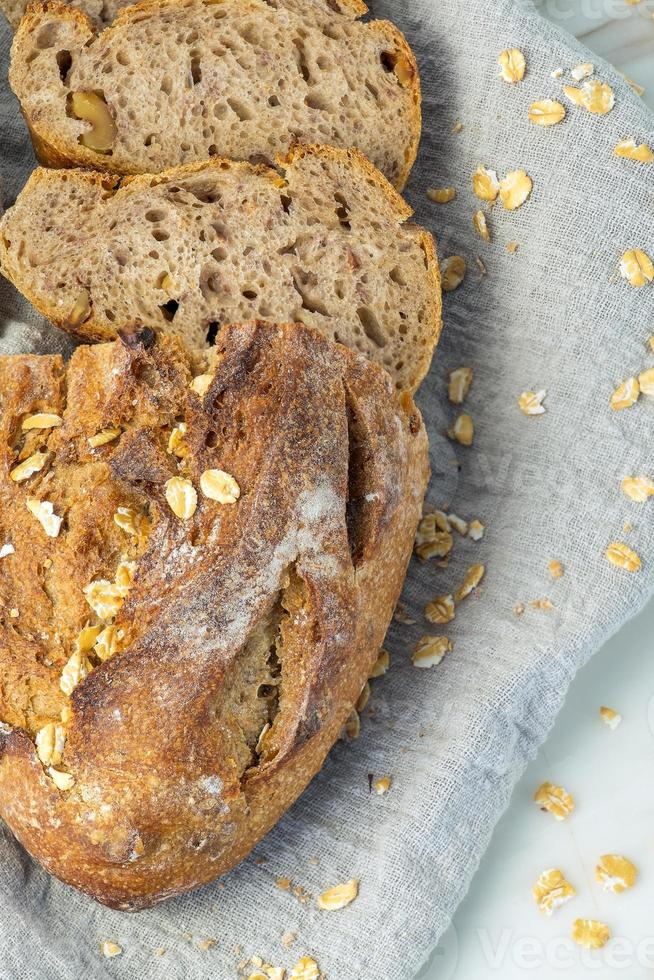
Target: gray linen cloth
(455, 739)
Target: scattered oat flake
(625, 395)
(531, 402)
(627, 148)
(381, 664)
(440, 610)
(160, 951)
(646, 382)
(622, 556)
(457, 127)
(555, 568)
(352, 726)
(518, 609)
(476, 530)
(610, 717)
(430, 650)
(485, 184)
(7, 549)
(201, 384)
(480, 225)
(552, 890)
(43, 510)
(590, 933)
(41, 420)
(460, 380)
(284, 884)
(616, 873)
(438, 546)
(110, 949)
(595, 96)
(220, 486)
(453, 270)
(638, 488)
(206, 944)
(480, 265)
(363, 698)
(512, 247)
(515, 188)
(636, 267)
(463, 430)
(582, 71)
(339, 896)
(557, 73)
(458, 524)
(305, 969)
(441, 195)
(288, 938)
(555, 800)
(103, 437)
(33, 464)
(547, 112)
(545, 604)
(181, 496)
(470, 582)
(512, 65)
(382, 785)
(633, 85)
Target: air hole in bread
(357, 483)
(166, 85)
(342, 211)
(64, 63)
(388, 60)
(249, 294)
(302, 64)
(286, 202)
(273, 101)
(310, 303)
(196, 70)
(240, 108)
(371, 326)
(212, 333)
(154, 215)
(316, 101)
(211, 439)
(396, 275)
(169, 309)
(160, 235)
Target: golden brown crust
(53, 150)
(271, 609)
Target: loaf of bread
(197, 575)
(177, 81)
(324, 241)
(100, 12)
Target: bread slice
(210, 649)
(175, 81)
(324, 241)
(100, 12)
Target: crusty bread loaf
(324, 241)
(100, 12)
(176, 81)
(171, 684)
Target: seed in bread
(324, 240)
(177, 81)
(171, 686)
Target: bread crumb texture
(178, 81)
(324, 240)
(174, 667)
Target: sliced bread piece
(176, 81)
(324, 241)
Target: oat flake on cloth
(554, 315)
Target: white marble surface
(498, 931)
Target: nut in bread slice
(183, 80)
(174, 676)
(323, 240)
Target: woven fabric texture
(555, 314)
